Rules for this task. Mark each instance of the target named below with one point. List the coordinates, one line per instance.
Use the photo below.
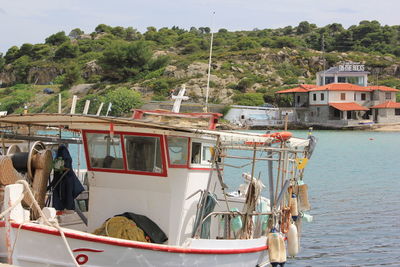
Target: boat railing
(233, 214)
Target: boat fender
(293, 206)
(236, 221)
(302, 195)
(276, 248)
(292, 241)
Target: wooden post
(286, 121)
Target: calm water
(354, 189)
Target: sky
(31, 21)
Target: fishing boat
(157, 192)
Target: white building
(341, 104)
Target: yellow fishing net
(121, 227)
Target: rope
(37, 207)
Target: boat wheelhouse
(175, 176)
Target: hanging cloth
(65, 184)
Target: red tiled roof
(340, 87)
(303, 88)
(388, 104)
(347, 106)
(383, 88)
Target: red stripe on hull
(134, 244)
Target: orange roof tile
(388, 104)
(347, 106)
(340, 87)
(383, 88)
(302, 88)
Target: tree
(303, 27)
(75, 33)
(119, 32)
(26, 50)
(72, 76)
(102, 28)
(66, 50)
(122, 60)
(57, 38)
(12, 54)
(132, 34)
(21, 66)
(2, 61)
(123, 101)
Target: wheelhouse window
(201, 153)
(105, 151)
(143, 153)
(178, 150)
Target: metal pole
(209, 65)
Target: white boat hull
(38, 245)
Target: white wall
(318, 100)
(334, 96)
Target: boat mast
(209, 64)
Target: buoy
(276, 248)
(293, 206)
(292, 241)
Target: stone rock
(170, 70)
(81, 89)
(91, 68)
(237, 69)
(197, 68)
(388, 58)
(7, 76)
(42, 75)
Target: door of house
(376, 115)
(349, 114)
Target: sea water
(354, 190)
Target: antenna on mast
(323, 57)
(209, 63)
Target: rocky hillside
(247, 67)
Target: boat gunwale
(129, 243)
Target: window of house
(388, 96)
(363, 96)
(178, 150)
(314, 97)
(342, 96)
(329, 80)
(352, 80)
(298, 99)
(336, 113)
(355, 96)
(397, 112)
(322, 96)
(143, 153)
(105, 151)
(318, 110)
(341, 79)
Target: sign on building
(351, 66)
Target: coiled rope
(53, 224)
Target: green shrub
(123, 101)
(248, 99)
